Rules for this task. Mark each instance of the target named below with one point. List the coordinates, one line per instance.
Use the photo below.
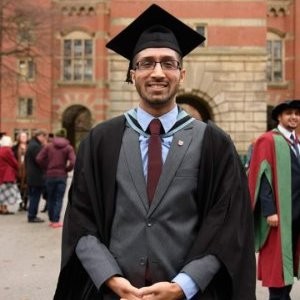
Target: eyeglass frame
(154, 63)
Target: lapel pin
(180, 143)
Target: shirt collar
(286, 133)
(167, 120)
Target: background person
(170, 225)
(10, 196)
(2, 133)
(57, 159)
(19, 150)
(35, 175)
(274, 177)
(249, 153)
(44, 194)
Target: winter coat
(8, 165)
(57, 158)
(35, 174)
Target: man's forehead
(157, 52)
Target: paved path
(30, 257)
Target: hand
(123, 288)
(162, 291)
(273, 220)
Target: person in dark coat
(159, 205)
(35, 175)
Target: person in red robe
(274, 176)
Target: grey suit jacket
(159, 235)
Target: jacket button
(142, 261)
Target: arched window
(275, 63)
(77, 57)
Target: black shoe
(36, 220)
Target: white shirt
(287, 134)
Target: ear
(182, 75)
(132, 76)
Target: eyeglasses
(166, 65)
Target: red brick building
(65, 77)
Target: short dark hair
(39, 132)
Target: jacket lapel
(134, 162)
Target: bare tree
(26, 49)
(25, 31)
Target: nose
(157, 71)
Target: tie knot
(294, 139)
(155, 126)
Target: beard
(157, 100)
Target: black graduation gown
(226, 228)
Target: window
(25, 107)
(25, 31)
(77, 64)
(275, 58)
(201, 29)
(27, 68)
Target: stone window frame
(25, 107)
(25, 31)
(202, 29)
(27, 68)
(81, 65)
(275, 44)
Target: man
(274, 177)
(134, 229)
(57, 159)
(35, 175)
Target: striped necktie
(295, 146)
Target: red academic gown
(272, 157)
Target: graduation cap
(278, 109)
(155, 28)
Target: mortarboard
(155, 28)
(283, 106)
